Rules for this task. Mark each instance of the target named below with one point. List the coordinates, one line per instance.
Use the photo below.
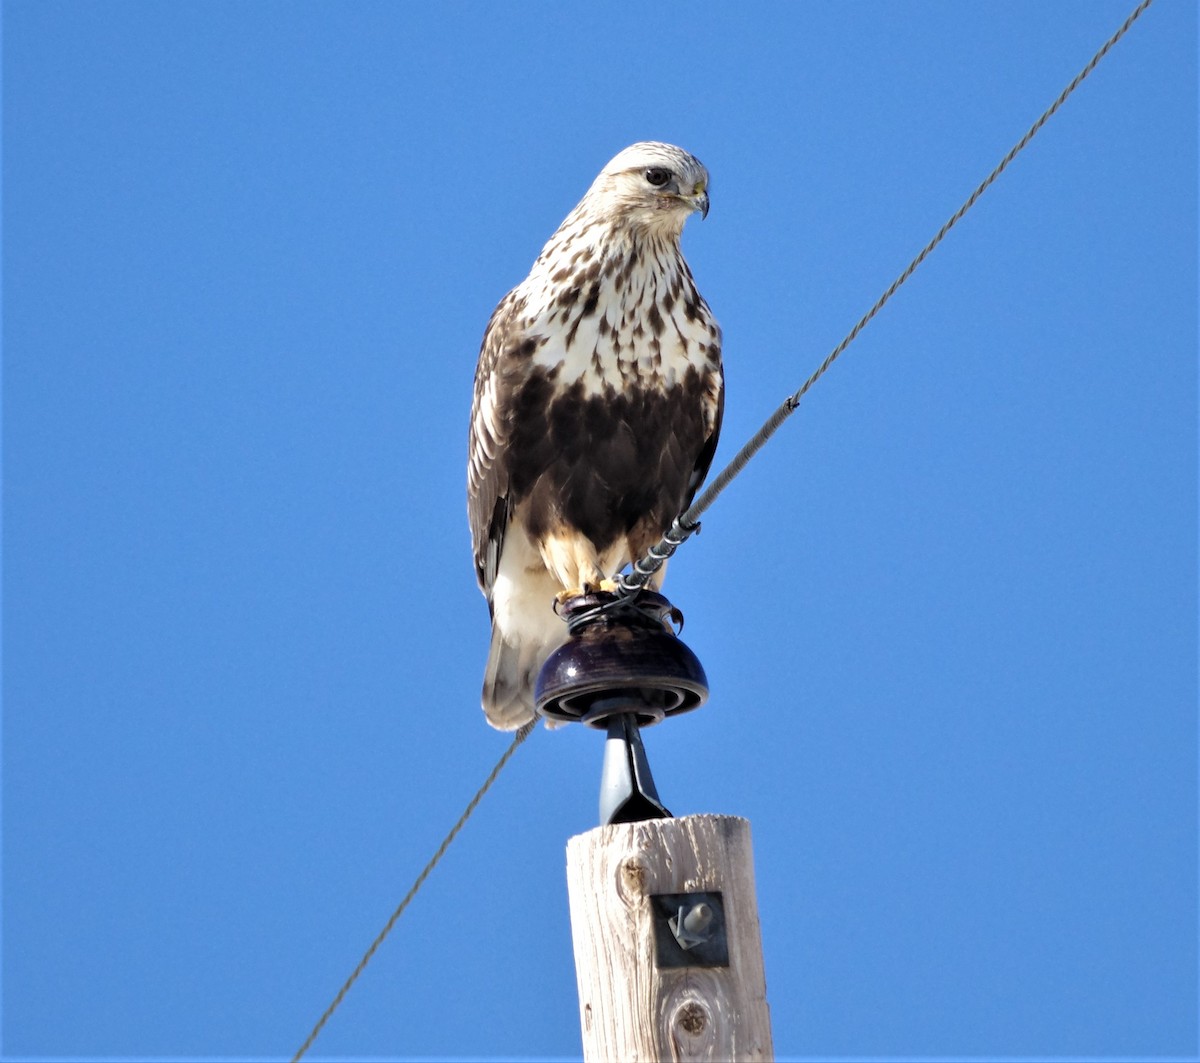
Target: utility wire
(688, 523)
(520, 737)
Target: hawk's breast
(621, 395)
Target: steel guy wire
(520, 737)
(687, 523)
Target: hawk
(598, 400)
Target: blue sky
(948, 615)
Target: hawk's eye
(657, 176)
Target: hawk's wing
(487, 477)
(705, 457)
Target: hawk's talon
(606, 586)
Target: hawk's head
(650, 185)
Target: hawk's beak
(699, 201)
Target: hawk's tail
(512, 669)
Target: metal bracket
(689, 930)
(627, 791)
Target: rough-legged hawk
(598, 400)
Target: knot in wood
(692, 1018)
(633, 876)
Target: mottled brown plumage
(598, 400)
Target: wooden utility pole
(668, 953)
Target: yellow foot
(608, 586)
